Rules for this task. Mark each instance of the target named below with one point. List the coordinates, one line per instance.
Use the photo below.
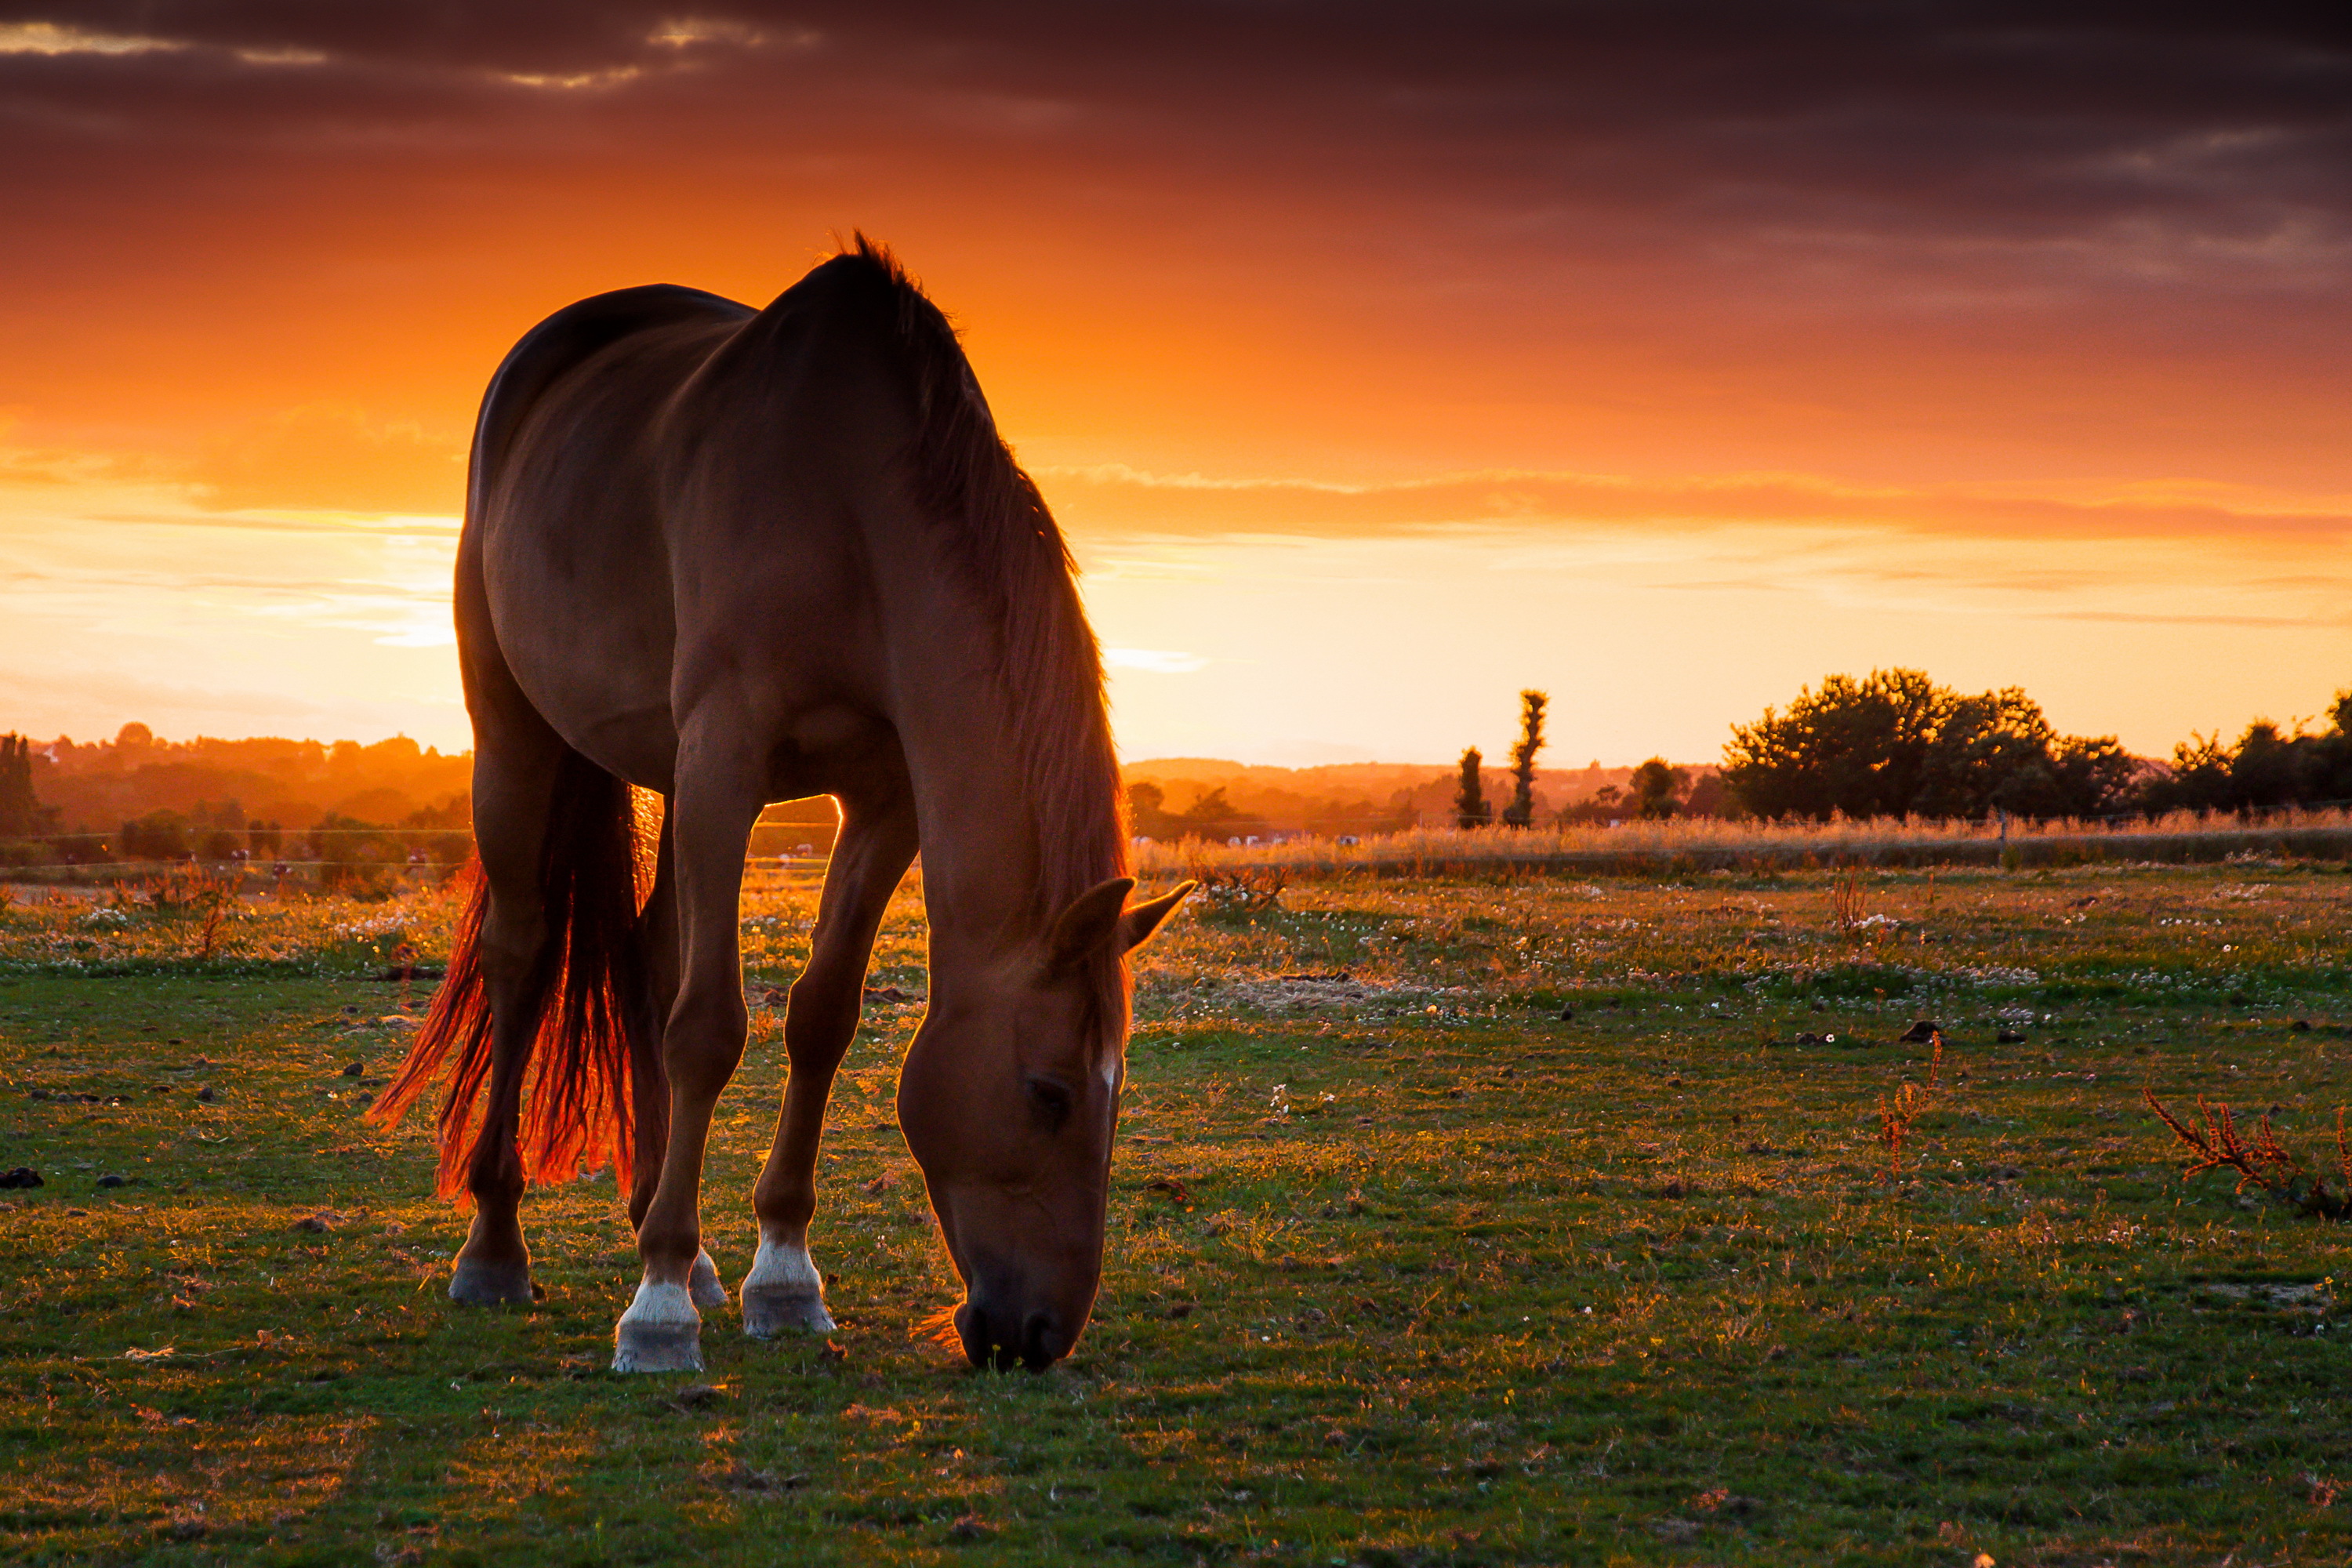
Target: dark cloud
(1837, 219)
(1771, 125)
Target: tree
(1708, 797)
(1896, 743)
(2199, 779)
(1658, 787)
(1855, 746)
(1210, 816)
(349, 851)
(2265, 770)
(1521, 812)
(2262, 772)
(1214, 816)
(21, 814)
(1147, 811)
(1606, 803)
(218, 831)
(1470, 806)
(158, 836)
(2094, 775)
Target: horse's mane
(1013, 555)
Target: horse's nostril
(985, 1342)
(1042, 1340)
(996, 1333)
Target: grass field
(1404, 1267)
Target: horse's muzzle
(992, 1339)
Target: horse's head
(1007, 1099)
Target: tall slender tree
(20, 813)
(1521, 812)
(1471, 807)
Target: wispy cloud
(1108, 502)
(50, 38)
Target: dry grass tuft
(2265, 1165)
(939, 1329)
(1848, 907)
(1896, 1116)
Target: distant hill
(95, 786)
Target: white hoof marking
(783, 1291)
(661, 1331)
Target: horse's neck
(990, 838)
(981, 860)
(973, 800)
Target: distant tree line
(1896, 743)
(1210, 816)
(179, 801)
(346, 848)
(2263, 771)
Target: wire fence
(2323, 831)
(796, 851)
(760, 872)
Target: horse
(729, 557)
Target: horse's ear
(1136, 926)
(1088, 924)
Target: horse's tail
(589, 999)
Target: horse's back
(562, 525)
(568, 340)
(684, 480)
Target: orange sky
(1667, 357)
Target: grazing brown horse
(734, 557)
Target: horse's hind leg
(650, 1094)
(718, 798)
(783, 1289)
(514, 789)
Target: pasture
(1404, 1267)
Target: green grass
(1478, 1285)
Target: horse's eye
(1049, 1103)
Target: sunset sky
(1379, 360)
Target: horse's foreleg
(783, 1289)
(713, 809)
(511, 798)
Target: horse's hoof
(479, 1282)
(661, 1331)
(771, 1309)
(784, 1292)
(658, 1347)
(702, 1285)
